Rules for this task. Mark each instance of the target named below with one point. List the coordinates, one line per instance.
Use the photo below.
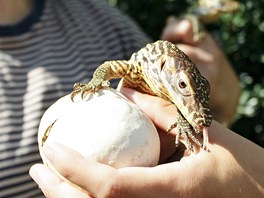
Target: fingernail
(34, 173)
(182, 25)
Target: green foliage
(151, 14)
(242, 38)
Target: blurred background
(242, 38)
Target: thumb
(161, 112)
(178, 31)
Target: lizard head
(186, 87)
(171, 75)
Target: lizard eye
(182, 84)
(183, 87)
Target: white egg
(106, 127)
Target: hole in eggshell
(46, 134)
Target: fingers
(178, 31)
(85, 173)
(51, 185)
(101, 180)
(104, 181)
(184, 178)
(163, 114)
(160, 111)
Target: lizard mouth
(202, 122)
(198, 127)
(204, 130)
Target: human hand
(228, 169)
(212, 63)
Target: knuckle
(67, 172)
(113, 189)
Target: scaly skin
(208, 11)
(161, 69)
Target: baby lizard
(208, 11)
(163, 70)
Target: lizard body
(208, 11)
(162, 69)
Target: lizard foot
(184, 130)
(85, 88)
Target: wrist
(240, 163)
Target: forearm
(224, 102)
(245, 160)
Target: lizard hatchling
(162, 69)
(207, 12)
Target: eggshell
(104, 126)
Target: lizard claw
(184, 130)
(85, 88)
(77, 85)
(174, 125)
(82, 94)
(73, 94)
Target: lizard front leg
(185, 130)
(108, 70)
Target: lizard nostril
(204, 120)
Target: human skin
(233, 166)
(13, 11)
(212, 63)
